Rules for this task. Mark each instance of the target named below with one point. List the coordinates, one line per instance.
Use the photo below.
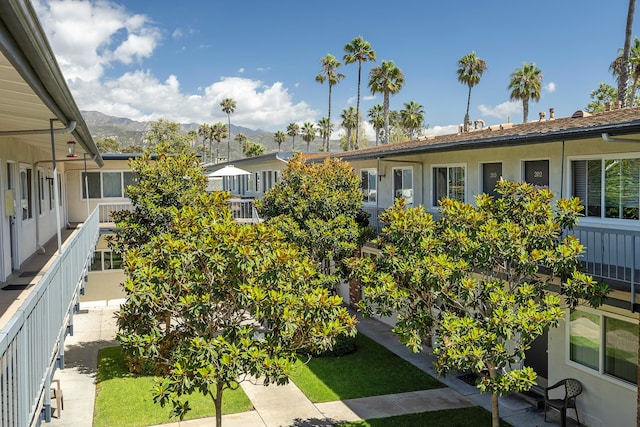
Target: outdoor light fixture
(71, 149)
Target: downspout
(562, 172)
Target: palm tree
(240, 138)
(388, 80)
(470, 69)
(617, 66)
(219, 132)
(349, 122)
(376, 114)
(293, 130)
(325, 129)
(228, 106)
(205, 132)
(330, 74)
(412, 118)
(279, 137)
(358, 51)
(623, 77)
(525, 85)
(308, 133)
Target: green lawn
(124, 399)
(474, 416)
(371, 370)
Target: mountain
(130, 132)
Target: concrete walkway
(278, 406)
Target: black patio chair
(572, 388)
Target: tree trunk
(385, 106)
(623, 77)
(466, 115)
(217, 402)
(495, 408)
(525, 109)
(329, 121)
(357, 145)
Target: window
(403, 184)
(448, 181)
(51, 194)
(369, 186)
(107, 184)
(612, 183)
(604, 343)
(256, 182)
(106, 260)
(491, 174)
(26, 193)
(40, 192)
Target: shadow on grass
(371, 370)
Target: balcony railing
(242, 210)
(32, 342)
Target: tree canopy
(482, 277)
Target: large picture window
(610, 183)
(369, 185)
(604, 343)
(403, 184)
(448, 181)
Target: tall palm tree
(412, 118)
(325, 129)
(228, 106)
(308, 133)
(330, 74)
(470, 69)
(205, 132)
(376, 116)
(279, 137)
(219, 132)
(525, 84)
(623, 77)
(388, 80)
(358, 51)
(293, 130)
(240, 138)
(349, 122)
(618, 65)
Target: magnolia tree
(211, 302)
(480, 277)
(318, 207)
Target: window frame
(571, 186)
(366, 199)
(28, 201)
(434, 199)
(408, 201)
(602, 347)
(124, 182)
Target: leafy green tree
(358, 50)
(330, 74)
(376, 116)
(480, 277)
(386, 79)
(525, 84)
(109, 145)
(253, 149)
(318, 207)
(293, 130)
(308, 134)
(228, 106)
(605, 93)
(412, 118)
(211, 302)
(349, 123)
(164, 132)
(219, 132)
(279, 137)
(470, 69)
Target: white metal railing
(243, 210)
(106, 210)
(32, 343)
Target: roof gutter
(19, 28)
(608, 138)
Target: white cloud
(504, 111)
(241, 70)
(368, 97)
(90, 36)
(177, 33)
(441, 130)
(550, 87)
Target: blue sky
(178, 59)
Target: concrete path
(277, 406)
